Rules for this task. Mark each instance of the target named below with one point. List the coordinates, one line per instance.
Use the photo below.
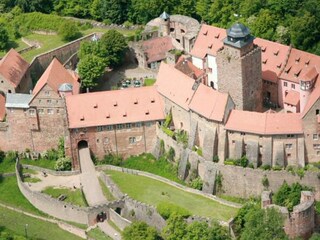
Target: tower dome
(238, 36)
(165, 16)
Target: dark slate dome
(238, 36)
(238, 30)
(165, 16)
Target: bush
(168, 131)
(215, 158)
(168, 120)
(11, 156)
(171, 154)
(63, 164)
(229, 162)
(69, 31)
(111, 159)
(265, 182)
(52, 154)
(138, 231)
(167, 209)
(266, 167)
(277, 168)
(199, 152)
(196, 183)
(182, 137)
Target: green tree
(69, 31)
(90, 68)
(264, 25)
(186, 7)
(197, 231)
(251, 7)
(140, 231)
(175, 229)
(202, 7)
(217, 232)
(264, 224)
(4, 37)
(113, 10)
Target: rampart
(63, 53)
(300, 222)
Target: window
(58, 110)
(317, 112)
(48, 100)
(99, 129)
(47, 93)
(32, 112)
(315, 136)
(132, 140)
(285, 84)
(289, 146)
(290, 136)
(148, 124)
(293, 86)
(318, 153)
(242, 134)
(128, 125)
(316, 146)
(50, 111)
(138, 124)
(40, 111)
(109, 127)
(119, 126)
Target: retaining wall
(52, 172)
(113, 188)
(118, 220)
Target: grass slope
(44, 163)
(97, 234)
(36, 229)
(153, 192)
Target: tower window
(317, 111)
(293, 86)
(285, 84)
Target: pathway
(89, 179)
(109, 230)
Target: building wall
(122, 139)
(239, 74)
(272, 88)
(198, 62)
(25, 85)
(285, 86)
(311, 133)
(212, 71)
(5, 86)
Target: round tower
(165, 24)
(306, 85)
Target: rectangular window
(132, 140)
(138, 124)
(109, 127)
(316, 146)
(50, 111)
(32, 112)
(315, 136)
(242, 134)
(128, 125)
(99, 129)
(47, 93)
(48, 100)
(148, 124)
(289, 146)
(290, 136)
(40, 111)
(285, 84)
(119, 126)
(293, 86)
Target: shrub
(300, 172)
(11, 156)
(168, 132)
(171, 154)
(69, 31)
(266, 167)
(229, 162)
(215, 158)
(111, 159)
(218, 182)
(127, 24)
(52, 154)
(277, 168)
(196, 183)
(162, 148)
(182, 137)
(243, 161)
(250, 165)
(63, 164)
(167, 209)
(139, 230)
(168, 120)
(199, 152)
(265, 182)
(317, 207)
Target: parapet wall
(50, 205)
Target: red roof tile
(2, 107)
(209, 103)
(186, 66)
(292, 98)
(174, 85)
(54, 76)
(114, 107)
(156, 48)
(299, 64)
(13, 67)
(264, 123)
(314, 97)
(274, 56)
(208, 41)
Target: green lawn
(148, 163)
(11, 195)
(74, 196)
(149, 82)
(44, 163)
(97, 234)
(7, 166)
(36, 229)
(153, 192)
(106, 191)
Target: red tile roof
(299, 65)
(54, 76)
(314, 97)
(156, 48)
(292, 98)
(264, 123)
(209, 103)
(2, 107)
(114, 107)
(208, 41)
(274, 57)
(185, 92)
(13, 67)
(186, 66)
(174, 85)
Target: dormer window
(205, 33)
(279, 65)
(297, 73)
(108, 115)
(307, 62)
(115, 104)
(152, 100)
(217, 35)
(264, 61)
(297, 59)
(147, 112)
(210, 46)
(287, 70)
(95, 106)
(124, 114)
(263, 49)
(136, 101)
(82, 118)
(276, 53)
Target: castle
(219, 94)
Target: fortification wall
(63, 53)
(135, 210)
(118, 220)
(247, 182)
(50, 205)
(52, 172)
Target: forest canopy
(295, 22)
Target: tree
(202, 7)
(217, 232)
(197, 231)
(186, 7)
(4, 37)
(69, 31)
(113, 10)
(175, 229)
(90, 68)
(264, 224)
(113, 47)
(140, 231)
